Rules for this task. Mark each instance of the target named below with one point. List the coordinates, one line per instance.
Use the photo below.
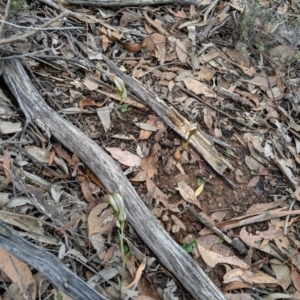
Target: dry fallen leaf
(242, 275)
(85, 188)
(181, 13)
(131, 47)
(148, 168)
(10, 127)
(182, 50)
(101, 219)
(198, 87)
(212, 258)
(90, 84)
(188, 193)
(138, 274)
(6, 164)
(262, 207)
(19, 273)
(254, 181)
(238, 57)
(155, 24)
(178, 222)
(199, 190)
(88, 102)
(295, 276)
(282, 52)
(157, 194)
(255, 241)
(125, 157)
(282, 272)
(160, 44)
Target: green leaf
(229, 152)
(220, 242)
(189, 247)
(193, 129)
(127, 251)
(59, 296)
(124, 108)
(200, 181)
(121, 89)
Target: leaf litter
(244, 94)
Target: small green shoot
(192, 131)
(200, 181)
(230, 152)
(189, 247)
(127, 251)
(117, 204)
(261, 47)
(59, 296)
(124, 108)
(121, 89)
(220, 242)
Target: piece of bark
(48, 264)
(128, 3)
(177, 122)
(169, 253)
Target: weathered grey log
(170, 254)
(128, 3)
(48, 264)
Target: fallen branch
(128, 3)
(170, 254)
(48, 264)
(30, 33)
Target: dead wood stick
(30, 33)
(5, 17)
(235, 242)
(170, 254)
(48, 264)
(127, 3)
(214, 108)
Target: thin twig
(30, 54)
(236, 243)
(30, 33)
(41, 29)
(214, 108)
(157, 67)
(6, 14)
(287, 219)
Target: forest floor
(232, 69)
